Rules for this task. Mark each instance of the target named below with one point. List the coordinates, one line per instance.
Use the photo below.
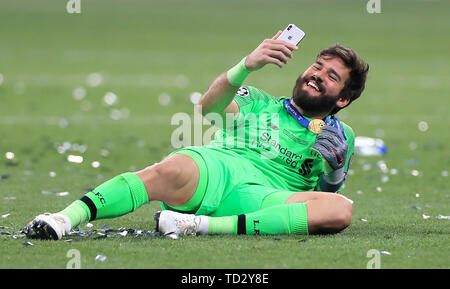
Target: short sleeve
(251, 99)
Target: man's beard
(313, 105)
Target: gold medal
(315, 126)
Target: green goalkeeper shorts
(229, 184)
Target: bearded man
(278, 168)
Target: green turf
(143, 49)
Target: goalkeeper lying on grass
(275, 170)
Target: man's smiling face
(317, 90)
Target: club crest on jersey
(243, 91)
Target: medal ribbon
(332, 121)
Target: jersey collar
(304, 121)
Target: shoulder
(349, 133)
(254, 93)
(250, 98)
(347, 128)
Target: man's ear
(342, 102)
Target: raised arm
(219, 96)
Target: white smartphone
(292, 34)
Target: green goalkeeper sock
(281, 219)
(78, 213)
(222, 225)
(116, 197)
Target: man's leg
(327, 212)
(298, 213)
(173, 181)
(292, 213)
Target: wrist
(331, 182)
(238, 73)
(334, 176)
(327, 169)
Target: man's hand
(270, 51)
(331, 144)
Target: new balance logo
(338, 158)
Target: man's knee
(171, 174)
(172, 181)
(329, 215)
(343, 215)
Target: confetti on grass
(101, 258)
(107, 232)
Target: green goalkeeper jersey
(274, 141)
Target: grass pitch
(149, 53)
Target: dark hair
(355, 84)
